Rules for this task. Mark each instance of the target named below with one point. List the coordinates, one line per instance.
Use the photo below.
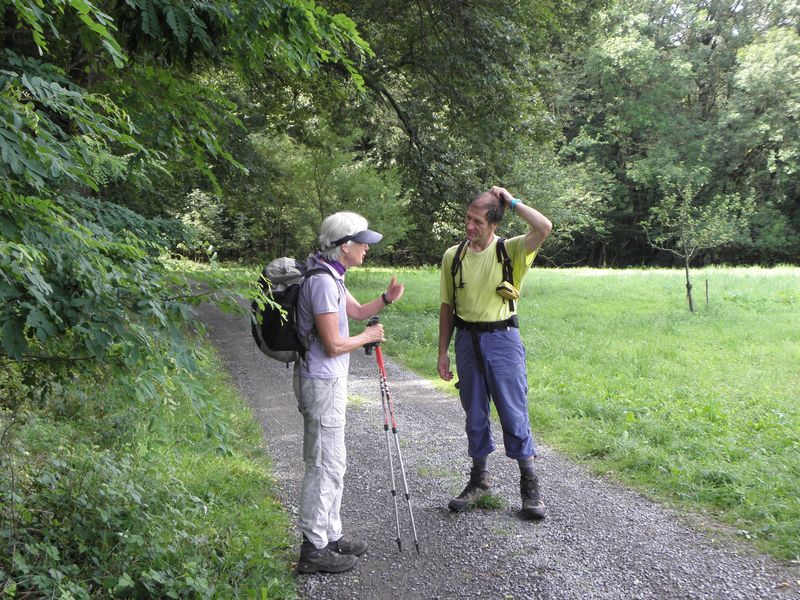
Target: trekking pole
(368, 350)
(388, 415)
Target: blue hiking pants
(504, 379)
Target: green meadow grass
(245, 525)
(697, 410)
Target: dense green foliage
(697, 410)
(694, 100)
(455, 104)
(106, 496)
(456, 101)
(603, 115)
(96, 108)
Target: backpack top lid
(282, 273)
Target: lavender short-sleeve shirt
(322, 294)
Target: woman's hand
(395, 290)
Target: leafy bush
(101, 497)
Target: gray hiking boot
(532, 506)
(478, 486)
(352, 548)
(323, 560)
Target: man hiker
(320, 385)
(479, 285)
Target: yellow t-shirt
(482, 273)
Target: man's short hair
(492, 203)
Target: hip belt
(486, 326)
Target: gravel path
(599, 540)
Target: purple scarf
(339, 267)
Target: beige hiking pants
(322, 403)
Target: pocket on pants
(333, 455)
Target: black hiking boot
(478, 486)
(323, 560)
(351, 548)
(532, 507)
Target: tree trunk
(688, 284)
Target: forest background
(135, 132)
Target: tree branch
(405, 120)
(29, 358)
(657, 247)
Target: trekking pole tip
(417, 545)
(399, 545)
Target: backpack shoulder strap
(508, 268)
(305, 343)
(458, 258)
(504, 259)
(317, 271)
(501, 248)
(456, 267)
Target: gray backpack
(274, 328)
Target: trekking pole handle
(368, 347)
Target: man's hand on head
(503, 194)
